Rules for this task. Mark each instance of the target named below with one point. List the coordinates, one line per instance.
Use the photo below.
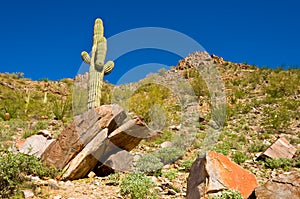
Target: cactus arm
(86, 57)
(108, 67)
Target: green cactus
(97, 68)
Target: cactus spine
(97, 68)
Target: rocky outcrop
(80, 132)
(97, 135)
(215, 172)
(285, 185)
(103, 147)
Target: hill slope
(261, 104)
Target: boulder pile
(94, 136)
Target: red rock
(215, 172)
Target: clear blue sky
(44, 39)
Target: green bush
(222, 148)
(257, 146)
(114, 179)
(157, 107)
(136, 185)
(187, 164)
(277, 163)
(197, 82)
(165, 136)
(61, 107)
(239, 157)
(13, 168)
(149, 163)
(228, 194)
(169, 154)
(171, 174)
(41, 125)
(153, 162)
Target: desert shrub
(239, 157)
(61, 107)
(171, 174)
(222, 148)
(149, 163)
(169, 154)
(281, 83)
(155, 104)
(162, 71)
(228, 194)
(13, 168)
(114, 179)
(136, 185)
(11, 105)
(41, 125)
(276, 119)
(106, 93)
(277, 163)
(257, 146)
(187, 164)
(165, 136)
(198, 84)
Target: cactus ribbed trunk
(97, 68)
(94, 86)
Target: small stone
(172, 192)
(53, 186)
(28, 193)
(175, 128)
(45, 133)
(154, 179)
(57, 197)
(166, 144)
(158, 189)
(96, 183)
(91, 174)
(69, 183)
(35, 178)
(167, 166)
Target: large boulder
(104, 147)
(85, 161)
(215, 172)
(285, 185)
(81, 131)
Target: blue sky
(44, 39)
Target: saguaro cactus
(97, 68)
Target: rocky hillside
(260, 105)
